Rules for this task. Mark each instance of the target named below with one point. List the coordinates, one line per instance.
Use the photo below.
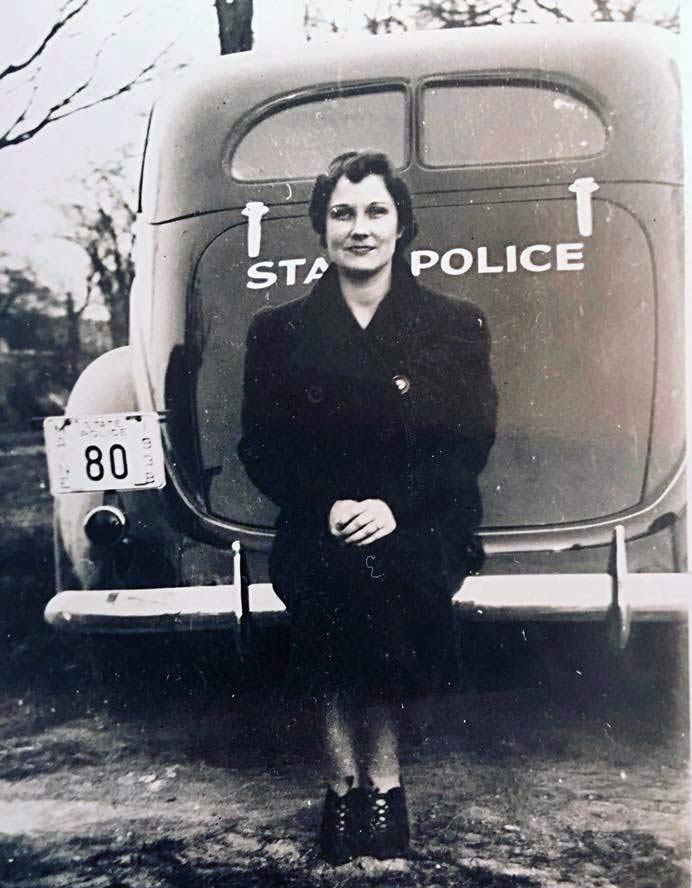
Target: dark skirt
(361, 625)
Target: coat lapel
(326, 334)
(396, 318)
(330, 340)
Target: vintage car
(545, 168)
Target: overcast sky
(40, 175)
(46, 172)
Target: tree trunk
(73, 346)
(235, 25)
(118, 320)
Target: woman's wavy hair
(356, 165)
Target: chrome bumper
(618, 599)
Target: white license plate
(115, 451)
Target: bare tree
(21, 294)
(27, 122)
(392, 21)
(464, 14)
(401, 15)
(235, 25)
(105, 231)
(72, 352)
(467, 13)
(452, 14)
(24, 301)
(18, 288)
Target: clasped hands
(361, 523)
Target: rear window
(469, 124)
(297, 141)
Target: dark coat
(403, 411)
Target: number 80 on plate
(114, 451)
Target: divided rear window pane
(465, 125)
(298, 141)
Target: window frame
(314, 93)
(545, 81)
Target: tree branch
(20, 119)
(373, 24)
(53, 115)
(629, 14)
(602, 11)
(8, 139)
(553, 10)
(670, 22)
(57, 27)
(137, 80)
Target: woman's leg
(341, 832)
(385, 817)
(379, 747)
(340, 755)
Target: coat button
(402, 383)
(315, 394)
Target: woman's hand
(361, 523)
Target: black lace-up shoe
(341, 833)
(386, 824)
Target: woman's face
(362, 225)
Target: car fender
(150, 549)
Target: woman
(368, 414)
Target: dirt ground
(146, 763)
